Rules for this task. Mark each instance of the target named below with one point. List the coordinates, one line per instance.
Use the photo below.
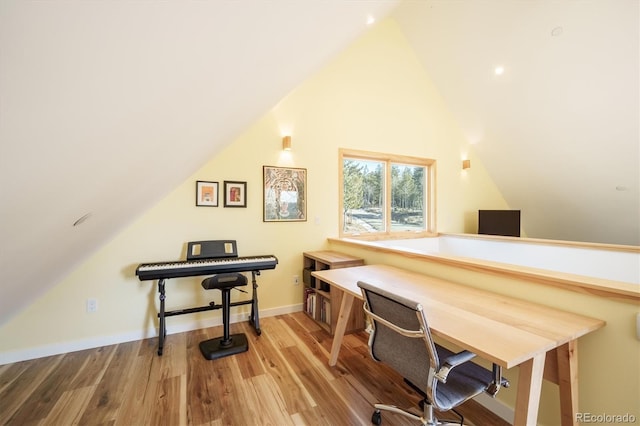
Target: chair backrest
(400, 337)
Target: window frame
(388, 160)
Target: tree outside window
(363, 195)
(386, 194)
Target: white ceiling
(558, 131)
(104, 101)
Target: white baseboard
(96, 342)
(496, 407)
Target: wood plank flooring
(284, 379)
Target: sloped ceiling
(105, 107)
(558, 131)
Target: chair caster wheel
(376, 418)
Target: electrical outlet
(92, 305)
(296, 280)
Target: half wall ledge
(605, 270)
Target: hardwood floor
(284, 379)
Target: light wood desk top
(505, 330)
(499, 328)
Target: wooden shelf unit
(320, 302)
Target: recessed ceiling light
(556, 31)
(499, 70)
(370, 20)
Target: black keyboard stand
(254, 319)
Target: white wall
(590, 261)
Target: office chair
(401, 339)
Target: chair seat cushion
(220, 281)
(464, 382)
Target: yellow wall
(374, 96)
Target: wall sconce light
(286, 143)
(466, 164)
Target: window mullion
(387, 194)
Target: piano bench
(229, 344)
(222, 281)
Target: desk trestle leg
(568, 382)
(341, 326)
(529, 389)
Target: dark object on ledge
(499, 222)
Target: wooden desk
(511, 332)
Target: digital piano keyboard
(190, 268)
(205, 258)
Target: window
(386, 194)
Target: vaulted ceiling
(558, 130)
(105, 107)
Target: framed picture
(235, 194)
(206, 194)
(285, 194)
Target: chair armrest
(451, 362)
